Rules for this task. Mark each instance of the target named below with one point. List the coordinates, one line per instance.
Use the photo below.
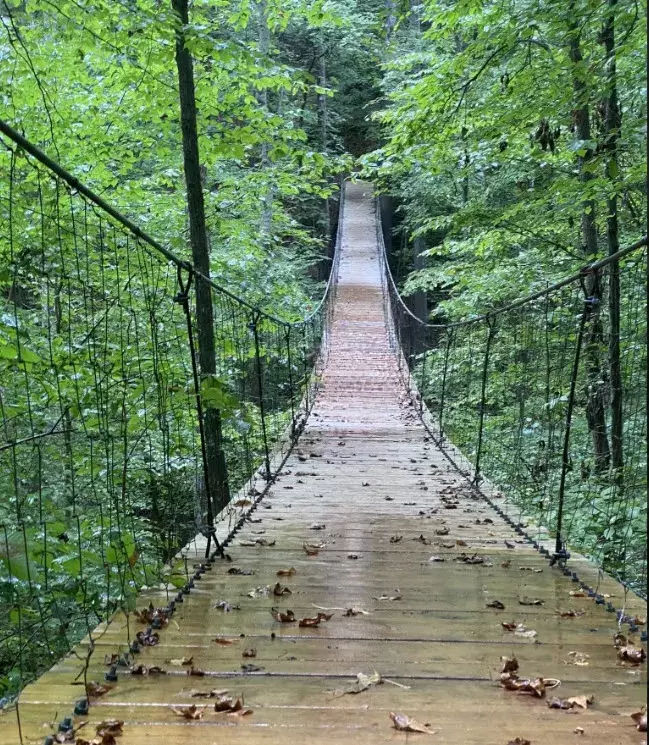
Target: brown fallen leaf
(577, 594)
(530, 601)
(634, 655)
(250, 652)
(436, 558)
(242, 503)
(259, 592)
(224, 642)
(534, 686)
(396, 538)
(506, 564)
(231, 706)
(580, 702)
(189, 712)
(225, 606)
(286, 572)
(315, 621)
(94, 689)
(288, 617)
(405, 723)
(572, 613)
(442, 531)
(195, 672)
(110, 727)
(510, 664)
(280, 590)
(396, 596)
(640, 719)
(519, 741)
(530, 569)
(496, 604)
(310, 549)
(579, 730)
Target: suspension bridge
(371, 576)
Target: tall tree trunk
(612, 123)
(218, 485)
(390, 20)
(594, 339)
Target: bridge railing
(104, 421)
(545, 401)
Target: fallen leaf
(496, 604)
(315, 621)
(236, 570)
(577, 594)
(634, 655)
(259, 592)
(580, 702)
(530, 601)
(225, 606)
(442, 531)
(286, 572)
(506, 564)
(405, 723)
(519, 741)
(242, 503)
(363, 682)
(640, 719)
(224, 642)
(195, 672)
(579, 730)
(436, 558)
(94, 689)
(530, 569)
(353, 556)
(396, 538)
(288, 617)
(510, 664)
(110, 727)
(534, 686)
(317, 526)
(189, 712)
(571, 613)
(356, 612)
(250, 652)
(310, 549)
(397, 596)
(280, 590)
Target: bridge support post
(483, 392)
(260, 386)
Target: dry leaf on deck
(259, 592)
(640, 719)
(242, 503)
(396, 596)
(180, 661)
(356, 612)
(405, 723)
(530, 601)
(250, 652)
(510, 664)
(363, 682)
(110, 727)
(496, 604)
(278, 615)
(280, 590)
(534, 686)
(396, 538)
(225, 606)
(519, 741)
(189, 712)
(214, 693)
(629, 653)
(224, 642)
(286, 572)
(580, 702)
(312, 622)
(94, 689)
(571, 613)
(530, 569)
(311, 549)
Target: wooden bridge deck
(367, 484)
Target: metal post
(485, 369)
(182, 298)
(260, 386)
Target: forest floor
(370, 523)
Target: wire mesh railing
(543, 401)
(105, 418)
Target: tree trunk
(267, 208)
(323, 118)
(218, 486)
(612, 124)
(594, 335)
